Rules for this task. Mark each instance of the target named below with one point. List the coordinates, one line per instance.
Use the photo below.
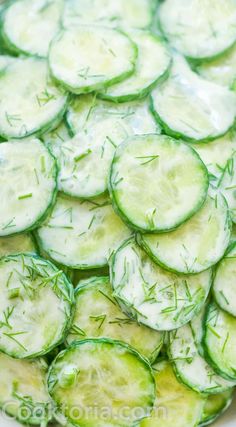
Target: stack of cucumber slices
(118, 212)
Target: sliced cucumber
(35, 306)
(224, 286)
(227, 184)
(190, 367)
(219, 341)
(86, 111)
(176, 404)
(23, 243)
(28, 27)
(215, 154)
(82, 234)
(87, 58)
(215, 406)
(30, 104)
(85, 160)
(118, 13)
(28, 184)
(153, 296)
(199, 28)
(189, 107)
(99, 382)
(197, 244)
(152, 192)
(98, 315)
(23, 390)
(152, 67)
(233, 234)
(220, 70)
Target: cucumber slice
(190, 107)
(35, 306)
(98, 315)
(219, 341)
(23, 243)
(215, 406)
(24, 23)
(23, 390)
(199, 29)
(220, 70)
(176, 404)
(224, 285)
(152, 67)
(153, 296)
(215, 154)
(178, 192)
(85, 160)
(82, 234)
(28, 184)
(87, 58)
(197, 244)
(233, 234)
(95, 379)
(227, 185)
(30, 104)
(118, 13)
(135, 117)
(190, 367)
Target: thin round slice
(134, 117)
(20, 243)
(23, 390)
(97, 315)
(85, 160)
(219, 341)
(118, 13)
(35, 306)
(82, 233)
(197, 326)
(105, 377)
(216, 405)
(224, 286)
(152, 67)
(28, 27)
(28, 175)
(153, 296)
(156, 182)
(197, 244)
(220, 70)
(199, 29)
(86, 58)
(190, 367)
(176, 404)
(30, 102)
(190, 107)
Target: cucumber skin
(67, 325)
(207, 354)
(144, 92)
(41, 218)
(96, 87)
(134, 227)
(178, 135)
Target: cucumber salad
(118, 212)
